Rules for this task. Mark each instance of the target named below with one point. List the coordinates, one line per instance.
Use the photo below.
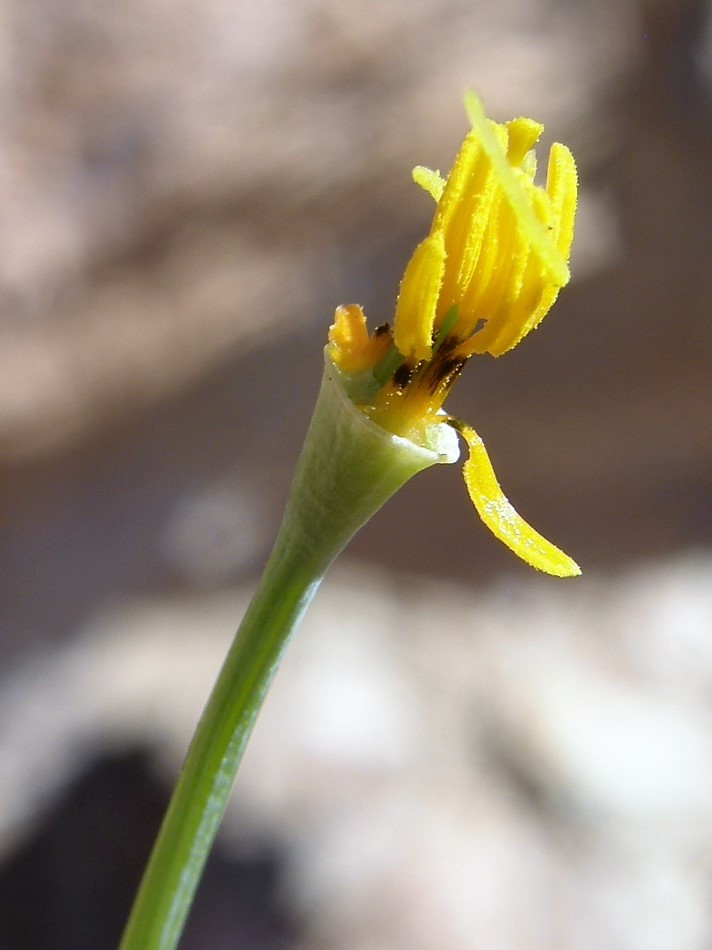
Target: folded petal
(350, 346)
(348, 337)
(418, 298)
(522, 136)
(501, 518)
(430, 181)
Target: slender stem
(201, 795)
(347, 469)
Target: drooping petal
(501, 518)
(418, 298)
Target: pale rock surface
(518, 769)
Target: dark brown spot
(446, 371)
(447, 345)
(402, 376)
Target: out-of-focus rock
(509, 769)
(172, 175)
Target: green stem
(347, 469)
(202, 791)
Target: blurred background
(457, 753)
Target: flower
(486, 275)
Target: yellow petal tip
(500, 516)
(429, 180)
(418, 298)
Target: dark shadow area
(70, 885)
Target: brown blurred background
(188, 190)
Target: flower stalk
(348, 468)
(484, 277)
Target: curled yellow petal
(348, 337)
(522, 135)
(418, 298)
(500, 517)
(562, 188)
(350, 346)
(429, 180)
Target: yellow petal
(501, 518)
(429, 181)
(490, 283)
(418, 298)
(350, 346)
(499, 337)
(536, 233)
(562, 187)
(458, 183)
(530, 292)
(348, 336)
(523, 134)
(471, 254)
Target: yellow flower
(486, 275)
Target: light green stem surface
(347, 470)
